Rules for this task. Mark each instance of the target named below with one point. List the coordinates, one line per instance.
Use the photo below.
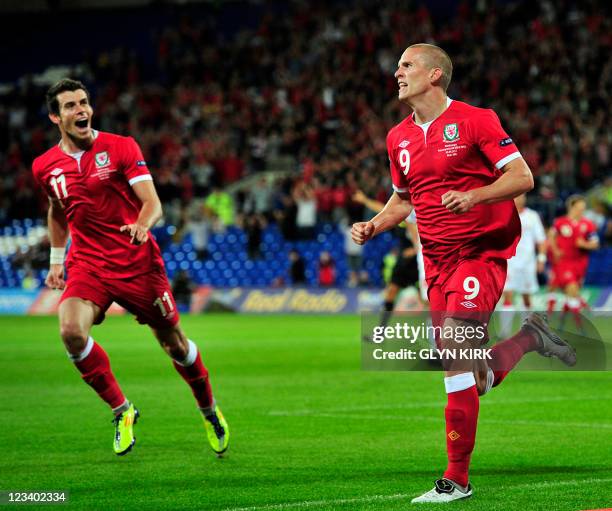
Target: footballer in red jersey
(101, 195)
(571, 239)
(454, 164)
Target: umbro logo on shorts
(468, 304)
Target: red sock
(461, 419)
(575, 305)
(552, 301)
(506, 354)
(94, 365)
(583, 303)
(196, 376)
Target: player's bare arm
(552, 243)
(516, 179)
(592, 244)
(371, 204)
(58, 237)
(150, 212)
(541, 256)
(413, 234)
(394, 212)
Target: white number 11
(160, 303)
(59, 186)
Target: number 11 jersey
(95, 188)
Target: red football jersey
(462, 149)
(95, 188)
(567, 233)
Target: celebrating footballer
(102, 197)
(456, 167)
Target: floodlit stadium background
(284, 107)
(259, 121)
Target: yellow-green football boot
(217, 431)
(124, 430)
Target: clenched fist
(458, 202)
(55, 277)
(362, 232)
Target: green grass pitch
(309, 429)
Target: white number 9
(472, 287)
(404, 160)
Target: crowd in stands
(311, 90)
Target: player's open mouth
(81, 123)
(402, 85)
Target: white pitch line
(383, 498)
(314, 503)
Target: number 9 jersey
(462, 149)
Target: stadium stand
(218, 94)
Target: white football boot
(550, 344)
(444, 490)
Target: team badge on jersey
(451, 132)
(102, 159)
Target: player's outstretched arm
(394, 212)
(552, 243)
(372, 204)
(516, 180)
(150, 212)
(588, 244)
(58, 237)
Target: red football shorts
(566, 272)
(148, 296)
(469, 290)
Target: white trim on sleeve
(507, 159)
(400, 190)
(138, 179)
(459, 382)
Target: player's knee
(74, 336)
(481, 383)
(173, 341)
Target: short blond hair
(435, 56)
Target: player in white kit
(411, 224)
(524, 267)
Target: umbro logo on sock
(453, 435)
